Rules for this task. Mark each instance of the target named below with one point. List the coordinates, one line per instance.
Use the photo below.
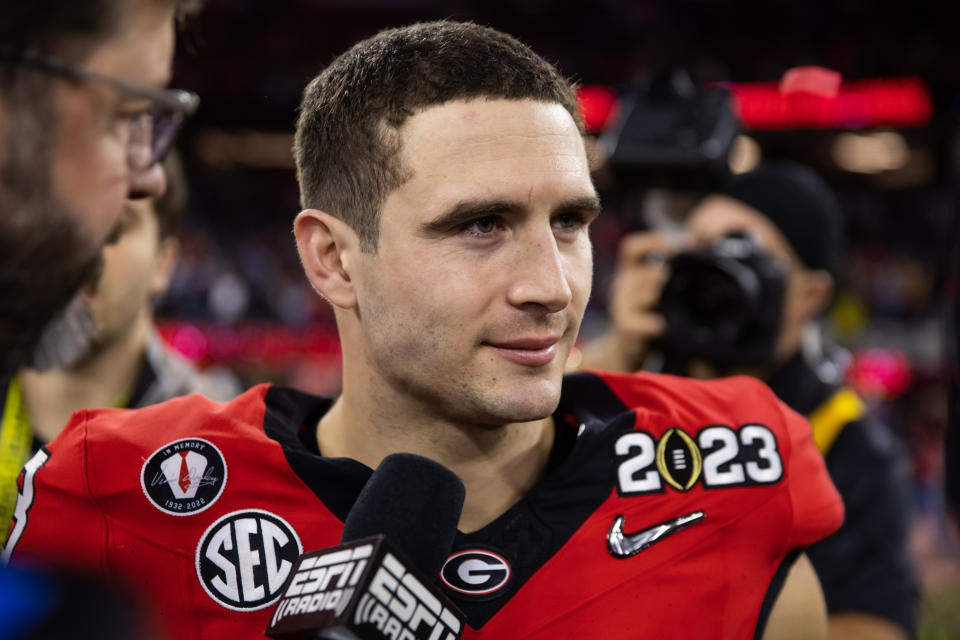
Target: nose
(539, 277)
(147, 183)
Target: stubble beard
(453, 385)
(45, 258)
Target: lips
(530, 352)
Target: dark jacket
(865, 566)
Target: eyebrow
(467, 210)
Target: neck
(497, 464)
(98, 381)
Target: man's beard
(45, 258)
(67, 339)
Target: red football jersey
(668, 510)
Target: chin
(526, 404)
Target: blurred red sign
(806, 98)
(888, 102)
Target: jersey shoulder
(194, 501)
(739, 399)
(174, 453)
(727, 433)
(192, 416)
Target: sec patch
(184, 477)
(244, 558)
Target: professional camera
(671, 133)
(722, 304)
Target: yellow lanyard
(16, 443)
(16, 438)
(829, 419)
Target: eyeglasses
(152, 130)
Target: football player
(447, 201)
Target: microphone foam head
(413, 501)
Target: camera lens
(722, 303)
(712, 295)
(711, 300)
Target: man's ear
(329, 251)
(817, 292)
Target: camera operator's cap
(802, 207)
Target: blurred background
(882, 129)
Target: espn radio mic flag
(362, 590)
(367, 588)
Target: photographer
(741, 293)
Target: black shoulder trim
(287, 410)
(289, 418)
(773, 591)
(577, 483)
(588, 397)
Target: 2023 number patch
(718, 457)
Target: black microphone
(379, 582)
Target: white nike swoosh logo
(625, 545)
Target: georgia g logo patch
(184, 477)
(476, 574)
(244, 558)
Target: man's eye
(485, 225)
(126, 117)
(121, 123)
(569, 221)
(133, 107)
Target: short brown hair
(346, 147)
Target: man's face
(64, 176)
(134, 271)
(474, 297)
(718, 216)
(90, 172)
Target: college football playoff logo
(184, 477)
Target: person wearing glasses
(83, 123)
(124, 363)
